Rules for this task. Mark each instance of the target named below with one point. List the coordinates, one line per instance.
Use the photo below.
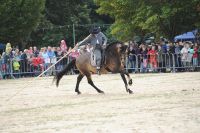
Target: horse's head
(117, 50)
(122, 50)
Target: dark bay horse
(114, 62)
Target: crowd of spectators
(162, 57)
(153, 57)
(32, 61)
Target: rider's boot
(98, 70)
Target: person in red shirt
(37, 63)
(152, 58)
(195, 56)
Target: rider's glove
(104, 46)
(76, 46)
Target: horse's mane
(111, 46)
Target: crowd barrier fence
(134, 63)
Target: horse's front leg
(125, 82)
(130, 82)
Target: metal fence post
(74, 36)
(174, 63)
(137, 64)
(11, 69)
(127, 67)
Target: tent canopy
(2, 46)
(186, 36)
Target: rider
(98, 40)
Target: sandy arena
(162, 103)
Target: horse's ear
(119, 45)
(123, 48)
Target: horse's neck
(113, 57)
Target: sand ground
(162, 103)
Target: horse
(114, 61)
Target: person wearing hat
(98, 41)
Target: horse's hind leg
(79, 78)
(92, 84)
(126, 84)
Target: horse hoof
(130, 82)
(130, 91)
(101, 92)
(78, 93)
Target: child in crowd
(37, 63)
(16, 65)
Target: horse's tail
(60, 74)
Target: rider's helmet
(95, 30)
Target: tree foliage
(59, 16)
(46, 22)
(18, 19)
(62, 12)
(163, 17)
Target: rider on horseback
(98, 40)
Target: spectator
(195, 56)
(52, 57)
(37, 64)
(35, 51)
(6, 62)
(169, 56)
(59, 55)
(30, 51)
(63, 46)
(50, 53)
(46, 58)
(53, 60)
(16, 68)
(190, 54)
(143, 59)
(184, 58)
(16, 65)
(24, 62)
(152, 59)
(160, 59)
(198, 46)
(164, 47)
(1, 70)
(177, 57)
(132, 51)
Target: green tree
(57, 23)
(64, 12)
(18, 19)
(59, 17)
(163, 17)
